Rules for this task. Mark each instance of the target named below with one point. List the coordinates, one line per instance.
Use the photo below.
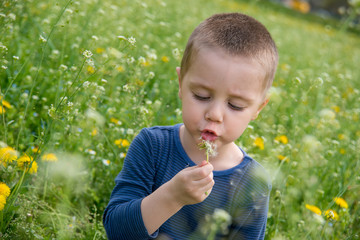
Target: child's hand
(193, 184)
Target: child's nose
(214, 113)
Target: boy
(165, 188)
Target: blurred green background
(79, 79)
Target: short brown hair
(238, 35)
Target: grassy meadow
(79, 79)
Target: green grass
(63, 105)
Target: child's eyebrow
(200, 85)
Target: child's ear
(262, 105)
(179, 79)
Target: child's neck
(228, 158)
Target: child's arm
(187, 187)
(126, 216)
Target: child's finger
(205, 181)
(203, 163)
(199, 173)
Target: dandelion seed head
(209, 147)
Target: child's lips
(208, 135)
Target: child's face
(220, 95)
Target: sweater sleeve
(122, 217)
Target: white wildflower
(152, 55)
(12, 16)
(327, 114)
(122, 38)
(141, 60)
(42, 39)
(90, 62)
(151, 75)
(63, 67)
(130, 60)
(87, 53)
(176, 53)
(132, 41)
(106, 162)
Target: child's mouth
(208, 135)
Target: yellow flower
(313, 208)
(115, 121)
(4, 190)
(331, 215)
(26, 161)
(341, 202)
(100, 50)
(146, 63)
(285, 67)
(341, 136)
(120, 69)
(2, 202)
(336, 108)
(259, 142)
(4, 103)
(282, 139)
(342, 151)
(301, 6)
(35, 149)
(7, 155)
(2, 110)
(122, 142)
(283, 158)
(139, 82)
(50, 157)
(94, 132)
(165, 59)
(90, 69)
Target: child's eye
(201, 98)
(234, 107)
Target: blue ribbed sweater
(154, 157)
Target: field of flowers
(79, 79)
